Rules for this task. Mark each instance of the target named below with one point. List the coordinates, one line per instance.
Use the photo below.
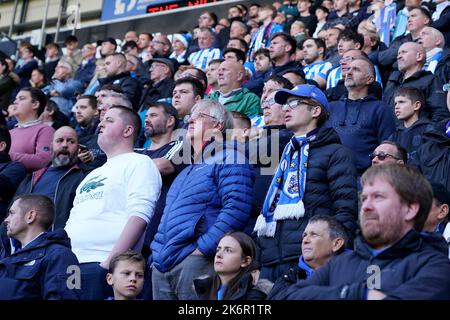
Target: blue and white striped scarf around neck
(284, 200)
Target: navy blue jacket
(85, 72)
(411, 138)
(361, 125)
(433, 156)
(11, 174)
(64, 193)
(330, 189)
(40, 270)
(415, 267)
(206, 200)
(435, 108)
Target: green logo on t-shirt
(92, 184)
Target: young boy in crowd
(126, 275)
(411, 126)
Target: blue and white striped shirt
(201, 58)
(336, 74)
(317, 69)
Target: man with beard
(160, 122)
(392, 259)
(59, 180)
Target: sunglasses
(382, 156)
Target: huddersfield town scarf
(284, 200)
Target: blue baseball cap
(303, 91)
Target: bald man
(231, 94)
(411, 58)
(117, 74)
(60, 179)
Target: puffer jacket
(330, 189)
(206, 200)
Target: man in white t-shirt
(114, 203)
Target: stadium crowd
(285, 151)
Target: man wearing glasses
(316, 175)
(210, 197)
(388, 152)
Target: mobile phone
(83, 147)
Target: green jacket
(245, 102)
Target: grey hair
(124, 101)
(216, 110)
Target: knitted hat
(184, 38)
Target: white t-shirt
(126, 185)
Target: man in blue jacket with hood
(42, 263)
(392, 259)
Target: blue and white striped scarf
(284, 200)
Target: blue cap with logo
(303, 91)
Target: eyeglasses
(268, 103)
(382, 156)
(195, 116)
(293, 104)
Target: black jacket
(411, 138)
(160, 90)
(64, 195)
(130, 86)
(6, 86)
(330, 189)
(443, 25)
(415, 267)
(433, 156)
(11, 174)
(246, 290)
(424, 81)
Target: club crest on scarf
(284, 200)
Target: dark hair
(43, 206)
(51, 106)
(254, 4)
(213, 17)
(240, 55)
(243, 118)
(288, 38)
(248, 249)
(243, 7)
(410, 185)
(128, 255)
(92, 100)
(285, 83)
(130, 117)
(70, 39)
(412, 94)
(111, 87)
(319, 43)
(324, 9)
(27, 46)
(129, 45)
(37, 95)
(5, 64)
(197, 86)
(243, 43)
(42, 72)
(401, 152)
(425, 11)
(5, 136)
(335, 227)
(168, 109)
(53, 45)
(261, 52)
(200, 76)
(149, 35)
(350, 35)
